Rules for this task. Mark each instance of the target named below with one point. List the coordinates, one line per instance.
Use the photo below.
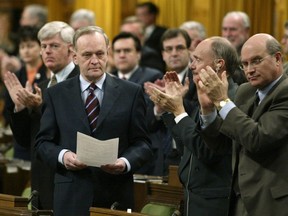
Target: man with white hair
(196, 32)
(82, 17)
(236, 28)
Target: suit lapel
(110, 95)
(73, 92)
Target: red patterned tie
(92, 107)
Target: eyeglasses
(179, 49)
(253, 63)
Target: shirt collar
(84, 84)
(64, 73)
(127, 75)
(263, 92)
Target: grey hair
(243, 15)
(223, 49)
(194, 25)
(38, 11)
(89, 30)
(83, 14)
(51, 29)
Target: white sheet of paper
(94, 152)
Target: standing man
(257, 123)
(122, 114)
(236, 28)
(147, 12)
(175, 45)
(56, 51)
(126, 49)
(204, 173)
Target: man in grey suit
(122, 114)
(257, 123)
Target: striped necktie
(92, 107)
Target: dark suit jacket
(25, 125)
(151, 58)
(19, 151)
(155, 165)
(122, 114)
(154, 41)
(204, 173)
(260, 147)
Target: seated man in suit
(118, 111)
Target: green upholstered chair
(158, 209)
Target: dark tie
(53, 81)
(92, 107)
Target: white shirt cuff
(178, 118)
(127, 163)
(61, 154)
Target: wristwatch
(223, 103)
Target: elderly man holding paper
(115, 109)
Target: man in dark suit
(122, 115)
(56, 50)
(126, 48)
(175, 45)
(147, 12)
(256, 123)
(204, 173)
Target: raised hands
(171, 99)
(22, 97)
(210, 89)
(13, 86)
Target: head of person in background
(56, 45)
(34, 15)
(133, 25)
(236, 28)
(196, 32)
(81, 18)
(29, 49)
(147, 12)
(126, 48)
(175, 49)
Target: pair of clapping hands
(22, 97)
(167, 94)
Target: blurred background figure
(147, 12)
(82, 17)
(284, 43)
(34, 15)
(196, 31)
(32, 71)
(236, 28)
(149, 56)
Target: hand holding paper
(94, 152)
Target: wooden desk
(146, 191)
(105, 212)
(16, 205)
